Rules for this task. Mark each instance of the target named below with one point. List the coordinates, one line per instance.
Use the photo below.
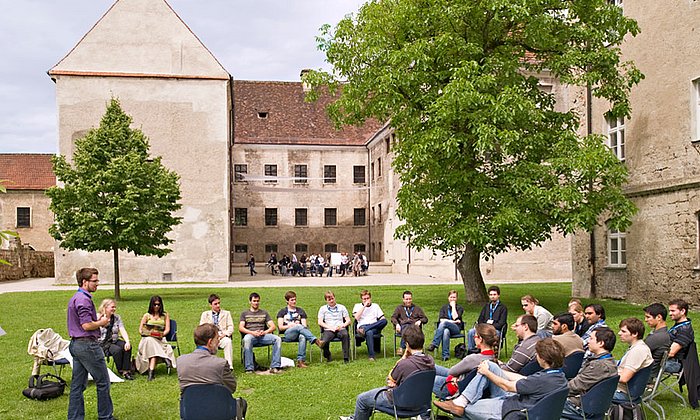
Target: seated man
(562, 327)
(449, 323)
(595, 315)
(412, 361)
(596, 368)
(494, 313)
(252, 325)
(370, 321)
(202, 366)
(334, 319)
(658, 339)
(637, 357)
(681, 334)
(509, 391)
(223, 321)
(407, 314)
(525, 328)
(291, 320)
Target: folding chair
(254, 346)
(286, 340)
(412, 397)
(337, 339)
(171, 337)
(675, 380)
(531, 367)
(503, 344)
(355, 344)
(572, 364)
(596, 402)
(652, 391)
(548, 408)
(398, 335)
(207, 402)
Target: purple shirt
(81, 310)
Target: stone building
(658, 258)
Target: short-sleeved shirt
(291, 317)
(406, 367)
(370, 315)
(683, 334)
(637, 357)
(659, 341)
(81, 310)
(255, 321)
(533, 388)
(115, 330)
(334, 316)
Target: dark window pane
(240, 216)
(270, 217)
(241, 248)
(329, 174)
(331, 248)
(359, 248)
(360, 217)
(300, 174)
(240, 172)
(358, 174)
(330, 217)
(301, 248)
(270, 248)
(300, 217)
(271, 171)
(23, 217)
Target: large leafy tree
(114, 195)
(487, 161)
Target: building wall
(37, 235)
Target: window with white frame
(696, 108)
(616, 136)
(617, 248)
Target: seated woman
(155, 325)
(531, 306)
(450, 324)
(118, 348)
(487, 340)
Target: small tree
(486, 161)
(114, 196)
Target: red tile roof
(289, 119)
(26, 171)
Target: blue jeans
(249, 341)
(489, 408)
(672, 366)
(620, 397)
(301, 333)
(439, 389)
(370, 331)
(365, 404)
(444, 331)
(571, 410)
(88, 357)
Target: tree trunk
(117, 295)
(469, 269)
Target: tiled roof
(288, 119)
(26, 171)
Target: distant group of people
(314, 265)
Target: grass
(323, 391)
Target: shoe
(275, 371)
(450, 407)
(151, 375)
(346, 361)
(301, 364)
(320, 343)
(361, 332)
(446, 358)
(249, 371)
(399, 351)
(127, 376)
(431, 347)
(347, 417)
(371, 359)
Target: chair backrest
(638, 383)
(659, 373)
(572, 364)
(597, 400)
(210, 402)
(530, 368)
(548, 408)
(172, 334)
(415, 392)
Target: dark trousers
(328, 335)
(122, 358)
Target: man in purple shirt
(88, 357)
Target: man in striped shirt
(525, 328)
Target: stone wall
(25, 263)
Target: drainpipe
(369, 200)
(589, 131)
(232, 126)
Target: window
(617, 3)
(330, 217)
(379, 213)
(270, 217)
(360, 217)
(329, 174)
(696, 106)
(387, 143)
(240, 249)
(240, 216)
(331, 248)
(373, 215)
(301, 248)
(379, 167)
(358, 174)
(616, 136)
(359, 248)
(270, 248)
(300, 174)
(300, 217)
(617, 248)
(240, 172)
(271, 171)
(24, 219)
(371, 171)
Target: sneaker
(249, 371)
(275, 371)
(301, 364)
(431, 347)
(347, 417)
(446, 358)
(360, 331)
(346, 361)
(371, 359)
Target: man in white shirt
(637, 357)
(370, 322)
(333, 318)
(223, 321)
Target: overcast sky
(252, 39)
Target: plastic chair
(503, 344)
(207, 402)
(595, 403)
(354, 339)
(171, 337)
(412, 397)
(572, 364)
(548, 408)
(531, 367)
(636, 386)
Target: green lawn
(323, 391)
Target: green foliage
(114, 196)
(323, 391)
(5, 234)
(485, 156)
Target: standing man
(88, 357)
(370, 322)
(525, 328)
(494, 313)
(562, 327)
(202, 366)
(449, 323)
(334, 319)
(637, 357)
(223, 321)
(251, 265)
(595, 315)
(658, 339)
(681, 334)
(407, 314)
(252, 324)
(291, 320)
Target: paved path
(262, 280)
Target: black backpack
(460, 351)
(44, 387)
